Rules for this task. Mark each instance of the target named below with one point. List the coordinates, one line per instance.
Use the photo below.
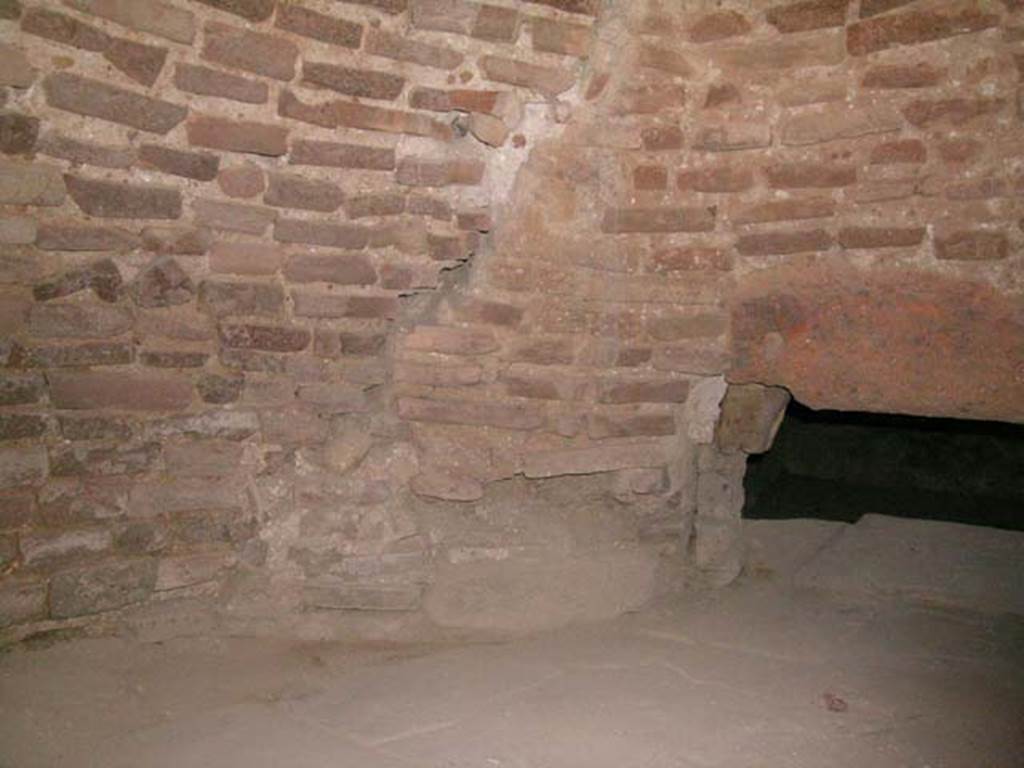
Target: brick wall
(288, 289)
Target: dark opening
(837, 465)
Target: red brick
(919, 75)
(396, 47)
(390, 121)
(92, 98)
(690, 259)
(717, 178)
(913, 27)
(785, 210)
(650, 177)
(325, 153)
(319, 26)
(204, 81)
(559, 37)
(190, 165)
(419, 172)
(325, 233)
(955, 111)
(810, 175)
(548, 81)
(291, 191)
(332, 305)
(558, 351)
(375, 205)
(119, 391)
(152, 16)
(870, 8)
(253, 10)
(904, 151)
(782, 243)
(106, 199)
(243, 181)
(626, 220)
(250, 219)
(960, 150)
(265, 338)
(461, 100)
(337, 269)
(363, 83)
(451, 341)
(515, 416)
(718, 26)
(237, 136)
(252, 51)
(730, 137)
(881, 237)
(646, 391)
(811, 14)
(245, 258)
(976, 245)
(662, 138)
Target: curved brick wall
(257, 322)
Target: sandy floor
(760, 675)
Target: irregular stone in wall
(319, 26)
(188, 241)
(152, 16)
(914, 27)
(78, 320)
(585, 461)
(92, 98)
(122, 391)
(102, 277)
(362, 83)
(18, 133)
(217, 389)
(237, 136)
(101, 588)
(142, 63)
(223, 299)
(549, 81)
(190, 165)
(252, 10)
(267, 338)
(14, 68)
(21, 389)
(107, 199)
(22, 465)
(30, 184)
(751, 416)
(163, 284)
(881, 237)
(211, 82)
(326, 153)
(782, 243)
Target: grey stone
(101, 588)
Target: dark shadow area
(836, 465)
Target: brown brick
(400, 48)
(425, 205)
(255, 52)
(627, 220)
(64, 29)
(820, 49)
(246, 258)
(116, 200)
(810, 175)
(718, 25)
(319, 26)
(292, 191)
(325, 153)
(18, 133)
(870, 8)
(782, 243)
(690, 259)
(650, 178)
(811, 14)
(266, 338)
(332, 305)
(716, 178)
(250, 219)
(70, 236)
(336, 343)
(839, 121)
(242, 181)
(337, 269)
(30, 184)
(731, 137)
(375, 205)
(515, 416)
(919, 75)
(253, 10)
(324, 115)
(163, 283)
(142, 63)
(363, 83)
(548, 81)
(83, 96)
(496, 23)
(461, 100)
(190, 165)
(102, 277)
(473, 310)
(224, 299)
(120, 391)
(662, 138)
(419, 172)
(955, 111)
(85, 153)
(785, 210)
(389, 120)
(464, 375)
(914, 27)
(204, 81)
(650, 99)
(960, 150)
(451, 341)
(152, 16)
(903, 151)
(559, 37)
(976, 245)
(78, 356)
(881, 237)
(327, 234)
(585, 7)
(237, 136)
(647, 391)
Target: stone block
(751, 416)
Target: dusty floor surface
(759, 675)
